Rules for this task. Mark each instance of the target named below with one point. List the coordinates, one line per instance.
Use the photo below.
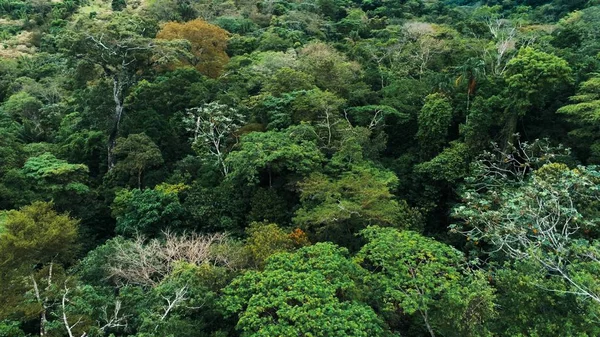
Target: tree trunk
(114, 133)
(36, 291)
(511, 127)
(426, 320)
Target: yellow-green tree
(208, 43)
(35, 243)
(266, 239)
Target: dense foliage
(188, 168)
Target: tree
(532, 77)
(118, 5)
(34, 243)
(535, 311)
(470, 72)
(291, 150)
(312, 292)
(411, 274)
(146, 212)
(330, 69)
(184, 304)
(37, 234)
(123, 48)
(148, 263)
(374, 116)
(208, 43)
(322, 110)
(213, 124)
(167, 286)
(502, 47)
(264, 240)
(27, 110)
(451, 165)
(10, 329)
(136, 154)
(56, 179)
(434, 121)
(173, 10)
(584, 112)
(530, 208)
(356, 198)
(89, 311)
(287, 79)
(218, 207)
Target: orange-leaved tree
(208, 43)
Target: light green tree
(532, 77)
(56, 179)
(312, 292)
(35, 244)
(356, 198)
(146, 212)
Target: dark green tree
(434, 122)
(136, 154)
(146, 212)
(427, 281)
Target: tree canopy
(223, 168)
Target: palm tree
(470, 71)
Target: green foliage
(275, 152)
(536, 311)
(372, 116)
(10, 329)
(288, 80)
(450, 165)
(212, 125)
(356, 198)
(264, 240)
(416, 276)
(533, 76)
(217, 208)
(269, 205)
(118, 5)
(136, 153)
(434, 121)
(34, 239)
(330, 69)
(49, 178)
(546, 218)
(314, 291)
(146, 212)
(37, 234)
(320, 119)
(47, 167)
(584, 112)
(29, 112)
(194, 313)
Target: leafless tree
(146, 263)
(504, 35)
